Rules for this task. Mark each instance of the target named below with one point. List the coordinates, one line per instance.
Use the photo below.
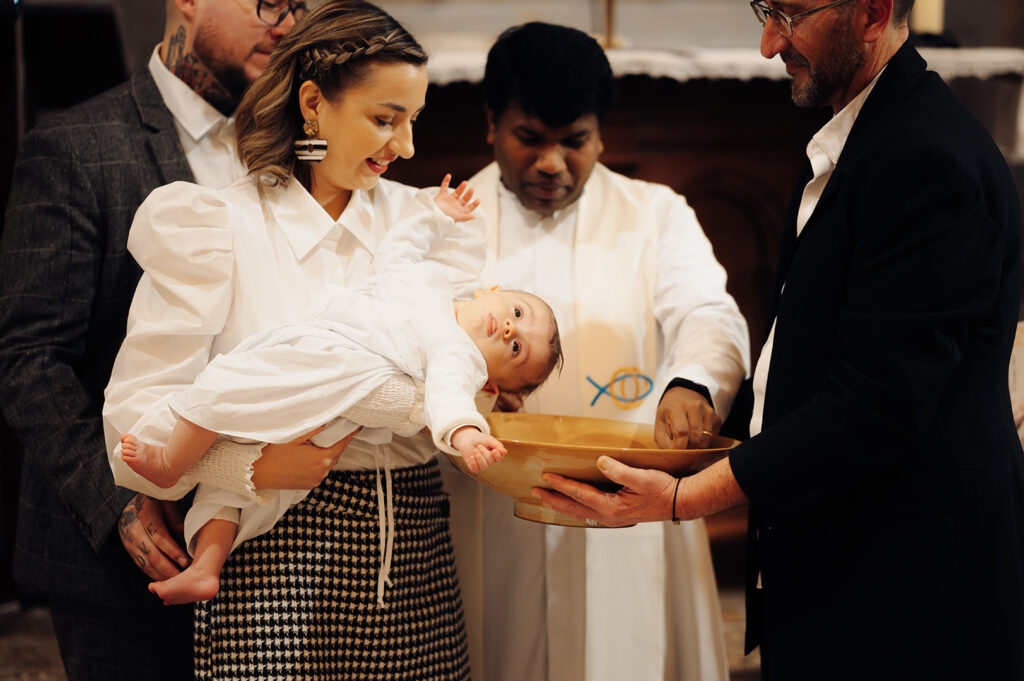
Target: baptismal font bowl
(570, 446)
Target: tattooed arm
(145, 535)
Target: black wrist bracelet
(675, 519)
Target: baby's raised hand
(479, 449)
(458, 203)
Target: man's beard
(834, 71)
(230, 76)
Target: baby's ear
(484, 291)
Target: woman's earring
(310, 149)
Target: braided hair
(323, 59)
(333, 46)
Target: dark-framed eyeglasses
(783, 22)
(273, 12)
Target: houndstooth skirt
(300, 602)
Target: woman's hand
(298, 464)
(145, 536)
(685, 420)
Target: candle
(928, 16)
(609, 24)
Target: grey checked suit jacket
(66, 282)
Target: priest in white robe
(650, 335)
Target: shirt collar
(306, 224)
(831, 139)
(195, 115)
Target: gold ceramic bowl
(570, 446)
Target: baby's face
(513, 332)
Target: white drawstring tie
(386, 519)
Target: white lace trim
(228, 465)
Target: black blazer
(887, 485)
(66, 281)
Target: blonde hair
(332, 46)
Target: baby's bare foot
(190, 586)
(147, 460)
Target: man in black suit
(66, 281)
(884, 474)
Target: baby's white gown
(388, 356)
(287, 381)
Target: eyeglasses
(783, 22)
(273, 12)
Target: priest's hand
(685, 420)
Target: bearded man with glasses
(835, 65)
(67, 280)
(883, 472)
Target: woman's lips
(376, 167)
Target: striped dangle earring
(310, 149)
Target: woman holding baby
(317, 131)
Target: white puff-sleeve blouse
(220, 265)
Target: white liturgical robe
(640, 300)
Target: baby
(346, 366)
(514, 332)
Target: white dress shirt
(823, 152)
(207, 135)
